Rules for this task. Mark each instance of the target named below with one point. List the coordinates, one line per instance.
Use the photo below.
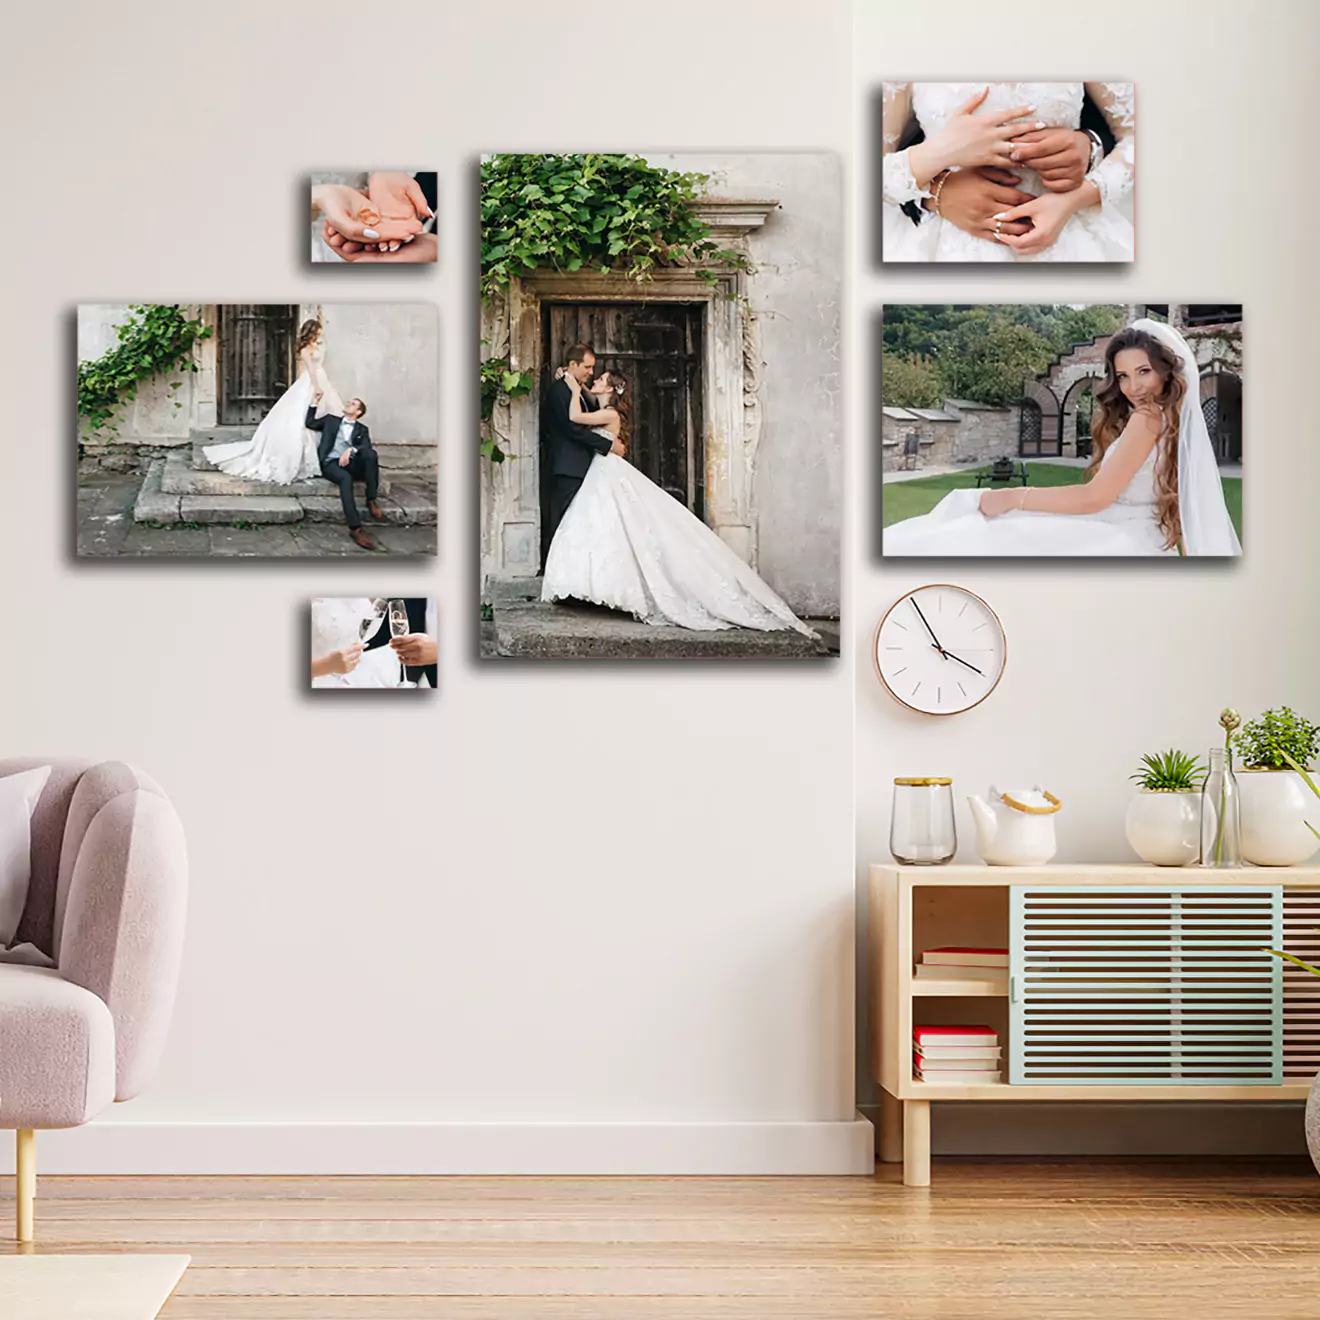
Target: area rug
(87, 1287)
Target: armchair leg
(25, 1180)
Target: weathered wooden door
(657, 348)
(256, 359)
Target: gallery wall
(560, 918)
(1107, 661)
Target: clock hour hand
(949, 655)
(929, 629)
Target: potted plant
(1274, 796)
(1312, 1119)
(1164, 819)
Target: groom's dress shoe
(362, 538)
(374, 509)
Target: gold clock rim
(875, 650)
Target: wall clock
(940, 649)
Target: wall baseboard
(1047, 1129)
(113, 1146)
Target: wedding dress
(1097, 233)
(626, 543)
(282, 450)
(336, 623)
(956, 525)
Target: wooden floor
(987, 1241)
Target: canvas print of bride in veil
(1007, 172)
(1049, 431)
(658, 479)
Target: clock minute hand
(961, 661)
(929, 629)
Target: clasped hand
(382, 224)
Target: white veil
(1207, 529)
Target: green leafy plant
(607, 212)
(1278, 739)
(156, 338)
(1170, 772)
(499, 383)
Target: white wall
(1107, 661)
(558, 899)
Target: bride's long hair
(308, 333)
(1111, 415)
(621, 402)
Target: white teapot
(1015, 828)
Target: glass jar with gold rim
(921, 828)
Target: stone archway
(1044, 441)
(1077, 415)
(731, 377)
(1221, 406)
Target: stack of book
(954, 963)
(955, 1056)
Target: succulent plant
(1170, 772)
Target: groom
(346, 456)
(570, 445)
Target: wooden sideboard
(1125, 983)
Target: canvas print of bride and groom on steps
(1046, 431)
(257, 429)
(661, 433)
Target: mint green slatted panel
(1145, 985)
(1301, 990)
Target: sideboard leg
(916, 1143)
(891, 1129)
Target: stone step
(182, 477)
(412, 458)
(410, 504)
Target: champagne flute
(400, 627)
(370, 626)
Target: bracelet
(1097, 149)
(1022, 503)
(939, 181)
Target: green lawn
(907, 499)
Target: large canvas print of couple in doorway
(651, 490)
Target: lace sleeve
(896, 113)
(1116, 174)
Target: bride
(282, 450)
(626, 543)
(1153, 487)
(975, 129)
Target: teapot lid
(1034, 801)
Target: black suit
(570, 447)
(363, 466)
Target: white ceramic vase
(1275, 807)
(1313, 1122)
(1164, 828)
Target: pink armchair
(106, 901)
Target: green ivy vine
(156, 338)
(607, 212)
(499, 384)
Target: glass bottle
(1221, 814)
(921, 829)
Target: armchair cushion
(57, 1050)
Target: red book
(958, 1035)
(957, 956)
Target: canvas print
(1100, 430)
(256, 429)
(375, 643)
(366, 217)
(661, 430)
(1007, 172)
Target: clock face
(940, 649)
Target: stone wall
(952, 435)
